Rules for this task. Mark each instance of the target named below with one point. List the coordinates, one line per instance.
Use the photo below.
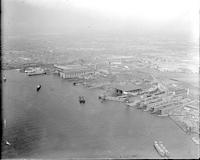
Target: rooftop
(70, 67)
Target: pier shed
(73, 71)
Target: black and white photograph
(100, 79)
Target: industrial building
(73, 71)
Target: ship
(36, 73)
(81, 99)
(160, 148)
(4, 78)
(38, 87)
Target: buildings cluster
(175, 103)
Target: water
(52, 124)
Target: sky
(98, 16)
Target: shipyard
(94, 107)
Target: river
(52, 124)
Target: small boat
(8, 143)
(102, 98)
(4, 121)
(75, 83)
(81, 99)
(195, 140)
(4, 78)
(38, 87)
(160, 148)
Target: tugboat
(75, 84)
(163, 152)
(38, 87)
(81, 99)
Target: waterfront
(52, 123)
